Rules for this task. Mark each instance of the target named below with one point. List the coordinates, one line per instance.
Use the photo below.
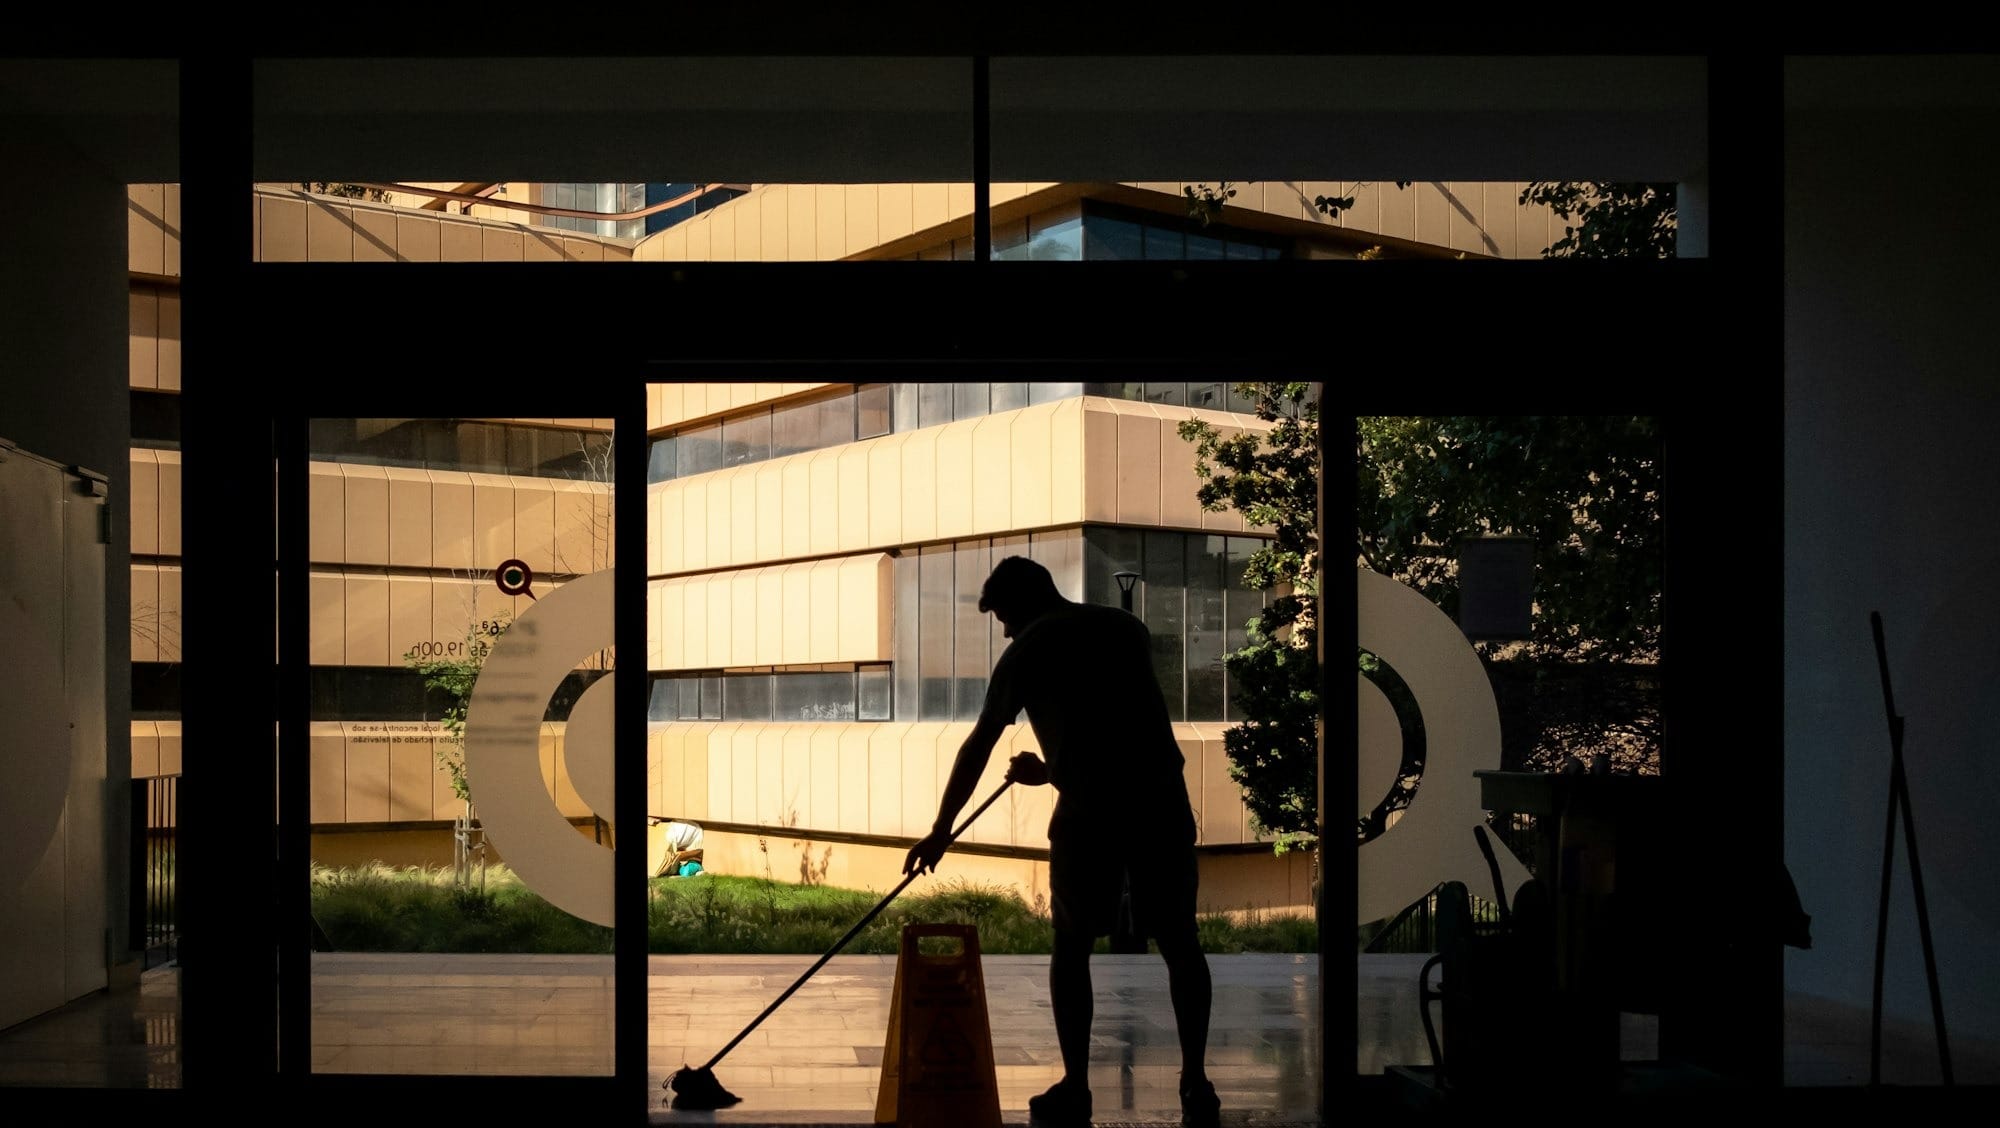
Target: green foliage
(346, 191)
(1586, 488)
(422, 909)
(1611, 220)
(454, 671)
(1272, 479)
(1332, 206)
(386, 909)
(1205, 203)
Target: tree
(452, 668)
(346, 191)
(1587, 489)
(1272, 479)
(1612, 220)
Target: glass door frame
(871, 318)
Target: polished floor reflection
(818, 1057)
(122, 1039)
(822, 1051)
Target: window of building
(1111, 233)
(945, 646)
(763, 433)
(1191, 596)
(607, 198)
(390, 693)
(475, 445)
(825, 692)
(156, 419)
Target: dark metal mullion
(294, 891)
(228, 988)
(982, 159)
(629, 631)
(1338, 792)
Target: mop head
(698, 1088)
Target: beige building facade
(792, 586)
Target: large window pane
(419, 890)
(794, 429)
(836, 421)
(1210, 396)
(1051, 391)
(1060, 241)
(970, 401)
(660, 460)
(1163, 243)
(1206, 558)
(1107, 238)
(972, 658)
(698, 451)
(1204, 246)
(746, 438)
(1163, 587)
(482, 449)
(663, 701)
(1108, 551)
(1010, 240)
(905, 413)
(872, 693)
(935, 619)
(746, 697)
(1017, 545)
(871, 411)
(907, 644)
(1007, 397)
(933, 404)
(821, 696)
(1241, 604)
(1061, 553)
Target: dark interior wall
(1891, 393)
(71, 136)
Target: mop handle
(851, 933)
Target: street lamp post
(1126, 582)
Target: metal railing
(154, 907)
(1415, 928)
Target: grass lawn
(386, 909)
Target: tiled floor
(126, 1039)
(818, 1057)
(821, 1052)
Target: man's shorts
(1088, 874)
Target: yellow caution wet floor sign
(937, 1061)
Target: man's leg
(1081, 887)
(1068, 1100)
(1168, 887)
(1189, 985)
(1070, 998)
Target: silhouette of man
(1084, 673)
